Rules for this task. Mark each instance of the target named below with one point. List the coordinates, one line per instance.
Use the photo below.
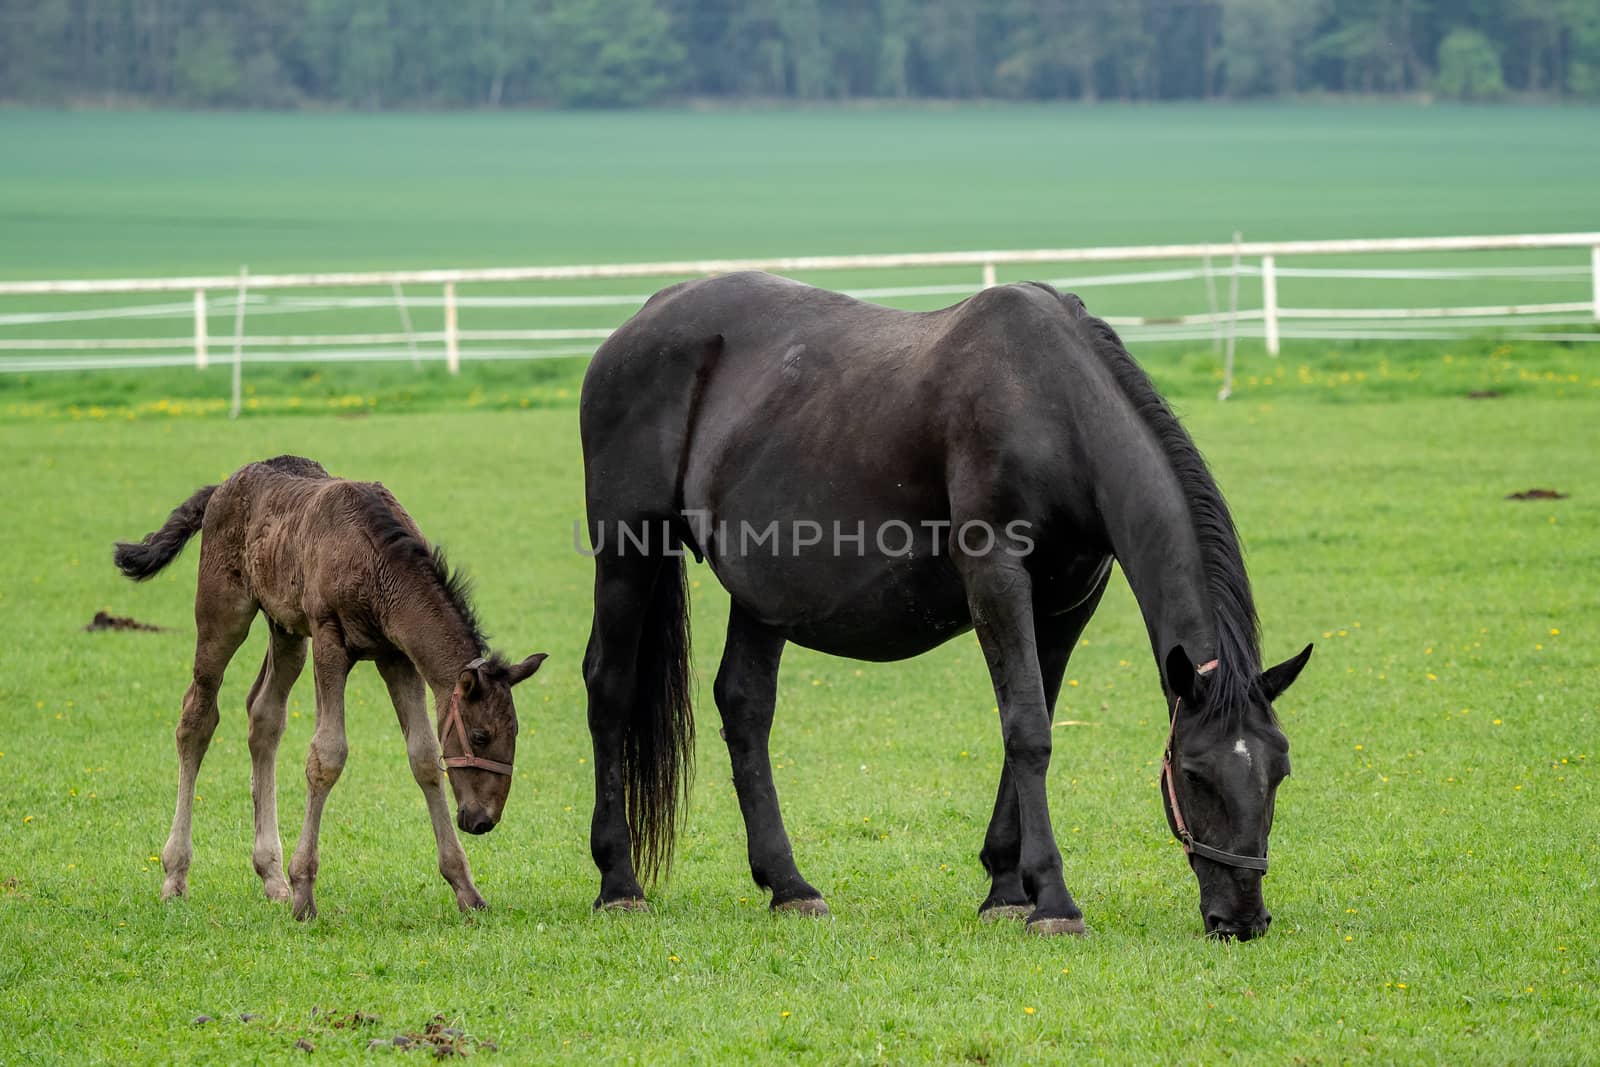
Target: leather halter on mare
(1185, 837)
(453, 718)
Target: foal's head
(1219, 784)
(478, 737)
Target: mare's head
(478, 738)
(1219, 783)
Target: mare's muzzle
(1227, 929)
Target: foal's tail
(658, 737)
(145, 559)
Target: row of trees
(491, 53)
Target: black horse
(870, 483)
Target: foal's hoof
(468, 905)
(813, 906)
(1004, 913)
(306, 910)
(174, 891)
(623, 904)
(277, 892)
(1055, 927)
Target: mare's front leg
(1055, 637)
(331, 665)
(1000, 595)
(409, 694)
(746, 689)
(222, 614)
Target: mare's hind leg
(623, 585)
(331, 666)
(1055, 637)
(222, 616)
(268, 706)
(746, 688)
(409, 694)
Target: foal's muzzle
(474, 821)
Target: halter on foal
(453, 718)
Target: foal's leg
(1055, 637)
(999, 592)
(331, 666)
(222, 615)
(746, 687)
(409, 694)
(268, 704)
(623, 586)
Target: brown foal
(341, 564)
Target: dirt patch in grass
(1537, 494)
(104, 620)
(439, 1038)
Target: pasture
(1434, 867)
(1433, 879)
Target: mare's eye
(479, 737)
(1193, 777)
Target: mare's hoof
(473, 904)
(1055, 927)
(1004, 913)
(814, 906)
(623, 904)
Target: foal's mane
(410, 554)
(1233, 685)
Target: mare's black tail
(145, 559)
(658, 737)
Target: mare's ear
(524, 670)
(1181, 675)
(471, 682)
(1274, 680)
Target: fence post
(1211, 303)
(1233, 320)
(1269, 301)
(238, 344)
(452, 351)
(988, 276)
(1594, 274)
(200, 359)
(405, 320)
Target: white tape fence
(418, 315)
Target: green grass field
(152, 194)
(1433, 881)
(1434, 869)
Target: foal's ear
(1274, 680)
(524, 670)
(1181, 675)
(471, 683)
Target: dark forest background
(611, 53)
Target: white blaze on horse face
(1241, 749)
